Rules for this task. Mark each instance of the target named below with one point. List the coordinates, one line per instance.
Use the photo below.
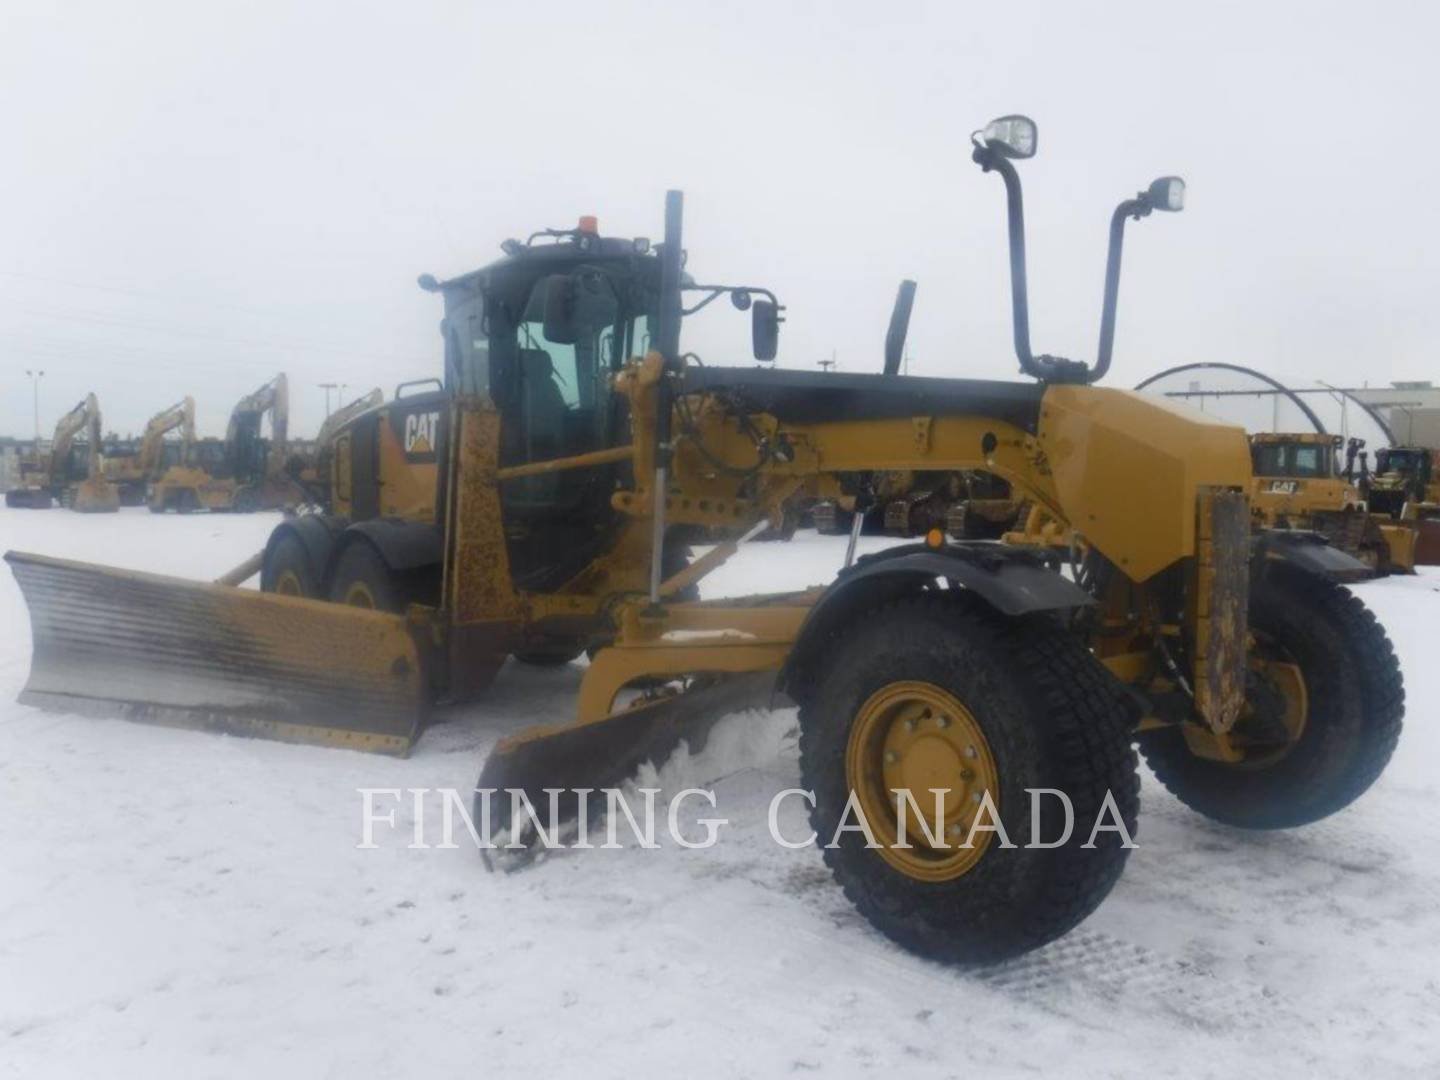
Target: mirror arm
(717, 291)
(1136, 208)
(989, 160)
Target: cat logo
(1284, 487)
(420, 433)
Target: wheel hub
(287, 583)
(915, 737)
(358, 594)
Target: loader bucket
(96, 497)
(190, 654)
(605, 753)
(1427, 545)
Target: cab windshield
(1308, 461)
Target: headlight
(1012, 136)
(1167, 193)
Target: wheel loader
(246, 472)
(132, 474)
(1299, 485)
(1406, 489)
(61, 476)
(538, 500)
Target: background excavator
(246, 472)
(538, 500)
(132, 474)
(59, 475)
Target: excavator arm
(151, 456)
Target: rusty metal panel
(1222, 606)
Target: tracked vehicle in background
(61, 475)
(536, 500)
(132, 474)
(1299, 485)
(246, 472)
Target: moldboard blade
(169, 651)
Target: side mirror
(559, 315)
(765, 329)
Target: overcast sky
(195, 196)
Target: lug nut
(942, 721)
(891, 757)
(971, 752)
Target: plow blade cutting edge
(606, 753)
(182, 653)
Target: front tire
(1034, 710)
(1355, 703)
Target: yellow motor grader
(537, 501)
(244, 473)
(59, 475)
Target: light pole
(327, 387)
(35, 376)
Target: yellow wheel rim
(359, 595)
(1289, 680)
(914, 736)
(288, 584)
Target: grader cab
(539, 501)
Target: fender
(1013, 580)
(1308, 552)
(317, 534)
(404, 545)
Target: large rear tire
(1354, 704)
(287, 570)
(939, 686)
(362, 579)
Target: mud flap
(606, 753)
(182, 653)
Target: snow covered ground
(180, 904)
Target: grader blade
(606, 753)
(182, 653)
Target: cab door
(560, 405)
(365, 467)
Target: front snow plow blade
(189, 654)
